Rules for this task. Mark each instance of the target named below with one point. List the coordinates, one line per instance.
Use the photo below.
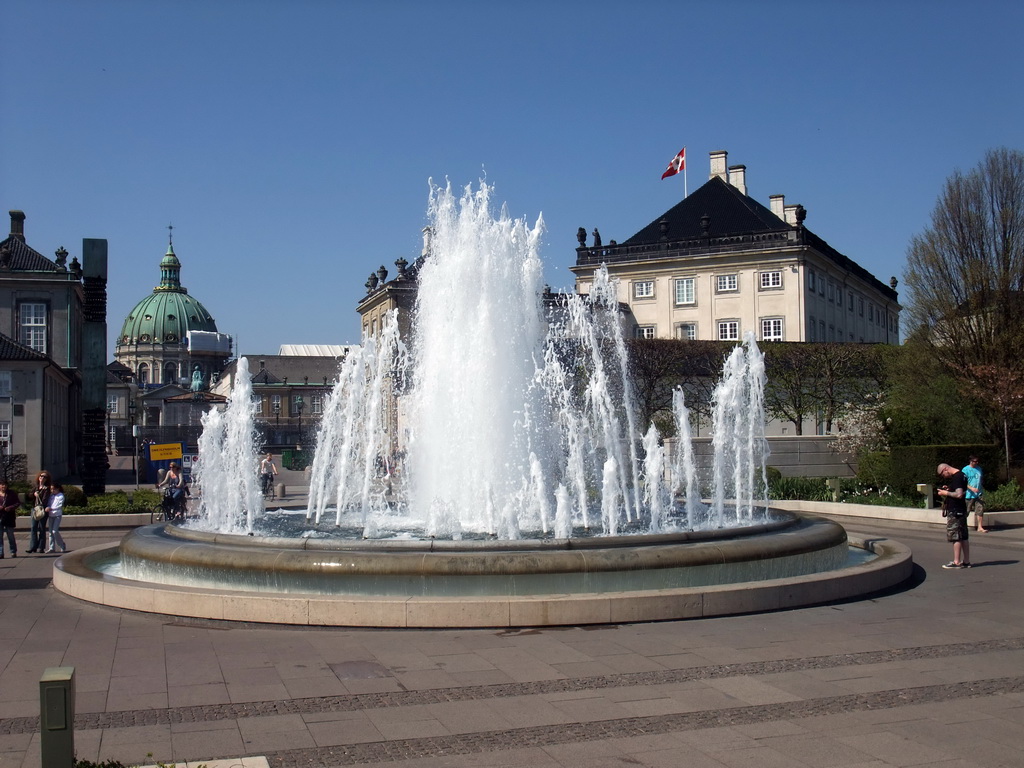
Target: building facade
(719, 264)
(48, 357)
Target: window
(5, 436)
(821, 329)
(298, 405)
(771, 280)
(810, 280)
(839, 296)
(771, 329)
(143, 374)
(645, 332)
(32, 318)
(643, 289)
(871, 312)
(832, 332)
(5, 383)
(851, 302)
(686, 290)
(727, 283)
(113, 407)
(860, 305)
(275, 404)
(831, 291)
(810, 328)
(821, 285)
(686, 331)
(316, 403)
(728, 330)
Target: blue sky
(291, 143)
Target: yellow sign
(165, 451)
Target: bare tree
(965, 279)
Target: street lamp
(135, 440)
(298, 409)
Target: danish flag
(678, 164)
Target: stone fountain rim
(782, 519)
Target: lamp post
(135, 440)
(298, 409)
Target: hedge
(904, 466)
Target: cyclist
(174, 493)
(267, 473)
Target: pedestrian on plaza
(9, 503)
(40, 500)
(954, 509)
(55, 510)
(974, 491)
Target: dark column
(94, 367)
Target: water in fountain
(512, 416)
(226, 473)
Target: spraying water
(510, 414)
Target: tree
(965, 279)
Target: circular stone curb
(892, 565)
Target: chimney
(18, 225)
(790, 214)
(738, 177)
(718, 160)
(778, 205)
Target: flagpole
(685, 190)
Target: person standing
(9, 503)
(954, 509)
(974, 491)
(40, 500)
(55, 510)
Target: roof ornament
(382, 274)
(5, 257)
(597, 238)
(62, 258)
(705, 225)
(581, 236)
(75, 268)
(801, 214)
(401, 264)
(663, 226)
(170, 236)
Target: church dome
(165, 316)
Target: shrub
(800, 489)
(773, 473)
(74, 496)
(1007, 497)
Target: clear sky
(290, 143)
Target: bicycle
(169, 509)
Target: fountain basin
(792, 561)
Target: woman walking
(40, 499)
(55, 510)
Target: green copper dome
(169, 313)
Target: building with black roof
(52, 349)
(719, 264)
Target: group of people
(47, 498)
(961, 496)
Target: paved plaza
(930, 674)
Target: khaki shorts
(976, 505)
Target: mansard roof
(12, 350)
(26, 258)
(729, 212)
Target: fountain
(490, 474)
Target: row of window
(685, 288)
(827, 287)
(268, 407)
(312, 403)
(772, 329)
